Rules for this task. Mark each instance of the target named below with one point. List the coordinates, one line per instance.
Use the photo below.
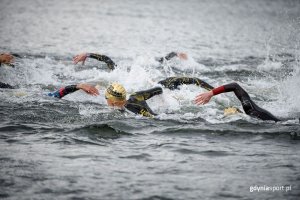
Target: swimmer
(173, 83)
(249, 106)
(111, 64)
(6, 58)
(115, 96)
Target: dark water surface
(78, 148)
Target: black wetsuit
(63, 91)
(111, 65)
(249, 106)
(169, 56)
(136, 102)
(173, 82)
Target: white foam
(269, 66)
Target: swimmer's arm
(173, 82)
(147, 94)
(111, 65)
(205, 97)
(82, 57)
(204, 85)
(169, 56)
(63, 91)
(72, 88)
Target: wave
(104, 131)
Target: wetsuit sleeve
(169, 56)
(63, 91)
(249, 106)
(146, 94)
(231, 87)
(111, 65)
(173, 82)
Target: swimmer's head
(115, 95)
(231, 111)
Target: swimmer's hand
(80, 58)
(88, 89)
(6, 58)
(203, 98)
(182, 56)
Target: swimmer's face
(114, 103)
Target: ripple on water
(207, 153)
(142, 156)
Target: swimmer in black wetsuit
(111, 65)
(249, 106)
(83, 56)
(115, 96)
(7, 59)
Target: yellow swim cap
(231, 111)
(115, 91)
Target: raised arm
(82, 57)
(171, 55)
(72, 88)
(111, 65)
(173, 82)
(146, 94)
(240, 93)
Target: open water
(78, 148)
